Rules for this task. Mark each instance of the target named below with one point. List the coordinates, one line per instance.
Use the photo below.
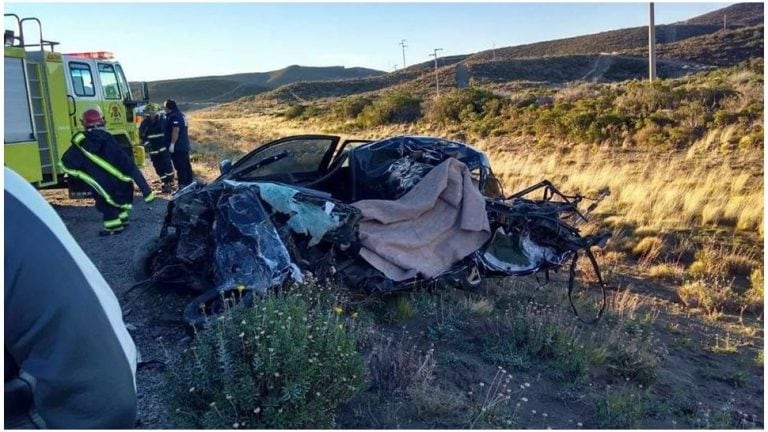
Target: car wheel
(141, 259)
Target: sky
(155, 41)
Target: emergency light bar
(96, 55)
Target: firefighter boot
(112, 227)
(124, 215)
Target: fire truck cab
(46, 93)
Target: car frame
(331, 172)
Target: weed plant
(286, 362)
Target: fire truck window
(125, 88)
(82, 80)
(109, 81)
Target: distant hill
(210, 90)
(736, 16)
(684, 47)
(724, 48)
(739, 15)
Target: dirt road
(153, 318)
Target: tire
(141, 259)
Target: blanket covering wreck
(436, 224)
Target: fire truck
(46, 93)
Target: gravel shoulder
(152, 317)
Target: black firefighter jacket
(151, 132)
(97, 159)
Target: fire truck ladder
(40, 106)
(42, 117)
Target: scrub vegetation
(681, 343)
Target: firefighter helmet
(150, 109)
(92, 118)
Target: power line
(437, 79)
(651, 45)
(402, 44)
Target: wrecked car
(380, 216)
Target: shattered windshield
(294, 156)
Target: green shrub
(397, 107)
(310, 111)
(459, 105)
(752, 140)
(294, 111)
(724, 118)
(350, 108)
(622, 409)
(286, 362)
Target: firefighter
(178, 142)
(96, 158)
(152, 131)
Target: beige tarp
(436, 224)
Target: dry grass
(699, 188)
(669, 191)
(479, 305)
(712, 296)
(671, 271)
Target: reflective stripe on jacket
(97, 159)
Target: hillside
(616, 55)
(209, 90)
(724, 48)
(740, 15)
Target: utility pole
(437, 79)
(651, 47)
(725, 22)
(402, 44)
(494, 51)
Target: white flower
(579, 424)
(524, 399)
(256, 410)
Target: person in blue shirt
(70, 362)
(177, 142)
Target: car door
(294, 160)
